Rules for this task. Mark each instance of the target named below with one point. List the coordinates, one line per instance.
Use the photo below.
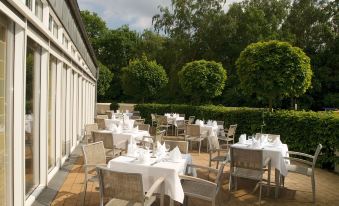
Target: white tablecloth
(173, 120)
(126, 135)
(276, 153)
(212, 131)
(150, 173)
(125, 124)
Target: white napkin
(215, 123)
(135, 129)
(197, 122)
(118, 111)
(209, 122)
(132, 149)
(255, 143)
(113, 115)
(175, 154)
(242, 139)
(144, 156)
(161, 149)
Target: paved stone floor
(297, 189)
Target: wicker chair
(200, 188)
(193, 135)
(229, 134)
(139, 122)
(88, 132)
(94, 155)
(220, 127)
(306, 167)
(119, 188)
(250, 164)
(100, 120)
(182, 145)
(180, 126)
(109, 144)
(162, 123)
(182, 115)
(144, 127)
(215, 147)
(109, 114)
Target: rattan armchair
(216, 148)
(229, 134)
(100, 120)
(109, 144)
(94, 155)
(89, 128)
(200, 188)
(190, 120)
(162, 123)
(180, 126)
(153, 119)
(138, 122)
(306, 167)
(119, 188)
(182, 145)
(144, 127)
(193, 134)
(250, 164)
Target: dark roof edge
(76, 10)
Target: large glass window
(51, 111)
(63, 109)
(38, 9)
(29, 4)
(32, 105)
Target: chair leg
(217, 164)
(199, 146)
(84, 193)
(210, 162)
(313, 187)
(260, 193)
(269, 182)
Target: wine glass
(168, 147)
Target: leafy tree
(143, 79)
(203, 80)
(274, 69)
(104, 81)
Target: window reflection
(51, 111)
(33, 61)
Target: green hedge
(302, 131)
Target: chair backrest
(232, 129)
(247, 158)
(105, 137)
(191, 119)
(105, 116)
(144, 127)
(220, 123)
(90, 127)
(109, 114)
(101, 122)
(161, 120)
(182, 115)
(120, 185)
(180, 123)
(94, 153)
(139, 121)
(136, 113)
(315, 157)
(153, 117)
(193, 130)
(182, 145)
(135, 117)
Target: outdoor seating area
(127, 163)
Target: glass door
(32, 105)
(51, 111)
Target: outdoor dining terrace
(184, 160)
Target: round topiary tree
(143, 79)
(202, 80)
(274, 69)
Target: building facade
(48, 78)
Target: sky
(136, 13)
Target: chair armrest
(198, 180)
(155, 186)
(203, 167)
(95, 165)
(300, 154)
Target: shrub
(114, 105)
(301, 131)
(274, 69)
(143, 79)
(202, 79)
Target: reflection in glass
(2, 114)
(63, 109)
(38, 9)
(51, 111)
(33, 61)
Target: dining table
(276, 152)
(153, 169)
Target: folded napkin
(209, 122)
(175, 154)
(118, 111)
(215, 123)
(242, 139)
(256, 143)
(144, 156)
(132, 149)
(197, 122)
(161, 148)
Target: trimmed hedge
(301, 131)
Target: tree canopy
(274, 69)
(143, 79)
(202, 80)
